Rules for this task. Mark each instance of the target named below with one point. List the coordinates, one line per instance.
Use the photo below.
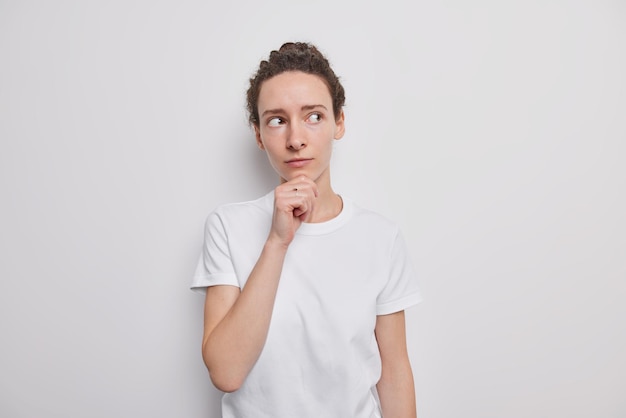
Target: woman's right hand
(294, 201)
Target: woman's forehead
(294, 88)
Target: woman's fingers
(300, 193)
(293, 203)
(299, 187)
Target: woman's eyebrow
(272, 111)
(311, 107)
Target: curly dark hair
(294, 56)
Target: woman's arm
(236, 322)
(396, 389)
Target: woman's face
(297, 126)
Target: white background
(493, 132)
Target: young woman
(305, 290)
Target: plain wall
(493, 132)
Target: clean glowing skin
(297, 126)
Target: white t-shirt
(321, 359)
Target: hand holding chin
(293, 203)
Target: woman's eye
(275, 122)
(315, 117)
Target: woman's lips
(298, 162)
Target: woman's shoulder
(373, 218)
(243, 209)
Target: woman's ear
(257, 135)
(340, 125)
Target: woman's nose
(296, 137)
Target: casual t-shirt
(320, 358)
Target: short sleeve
(401, 290)
(215, 266)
